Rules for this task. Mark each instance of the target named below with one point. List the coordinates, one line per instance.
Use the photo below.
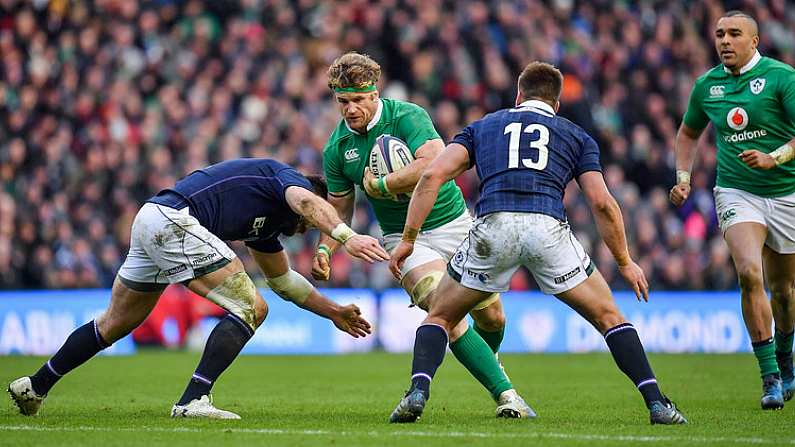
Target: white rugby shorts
(168, 246)
(735, 206)
(437, 244)
(499, 243)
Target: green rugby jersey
(754, 110)
(347, 152)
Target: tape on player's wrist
(410, 234)
(381, 183)
(341, 233)
(682, 176)
(323, 248)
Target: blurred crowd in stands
(105, 102)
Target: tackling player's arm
(291, 286)
(321, 262)
(453, 161)
(610, 223)
(405, 179)
(321, 215)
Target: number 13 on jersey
(515, 129)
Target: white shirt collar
(747, 67)
(373, 122)
(536, 104)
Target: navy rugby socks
(82, 344)
(224, 344)
(631, 359)
(429, 350)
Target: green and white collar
(747, 67)
(373, 122)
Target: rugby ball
(390, 154)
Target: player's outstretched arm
(611, 227)
(450, 164)
(321, 262)
(291, 286)
(404, 180)
(685, 151)
(321, 215)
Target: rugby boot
(772, 395)
(21, 392)
(511, 405)
(665, 412)
(410, 407)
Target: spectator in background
(104, 103)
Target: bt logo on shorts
(480, 276)
(351, 155)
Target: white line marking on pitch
(408, 433)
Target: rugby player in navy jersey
(177, 237)
(524, 157)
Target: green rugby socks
(493, 339)
(478, 358)
(765, 352)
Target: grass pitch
(582, 400)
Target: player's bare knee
(782, 292)
(238, 295)
(493, 321)
(750, 276)
(607, 319)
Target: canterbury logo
(351, 155)
(717, 90)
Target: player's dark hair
(353, 70)
(540, 80)
(319, 185)
(738, 13)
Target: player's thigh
(452, 302)
(781, 224)
(232, 289)
(422, 281)
(593, 300)
(128, 308)
(779, 272)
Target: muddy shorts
(169, 246)
(499, 243)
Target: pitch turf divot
(410, 433)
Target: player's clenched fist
(679, 193)
(321, 264)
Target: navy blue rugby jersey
(525, 157)
(239, 199)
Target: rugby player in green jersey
(365, 117)
(750, 100)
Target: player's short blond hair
(353, 70)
